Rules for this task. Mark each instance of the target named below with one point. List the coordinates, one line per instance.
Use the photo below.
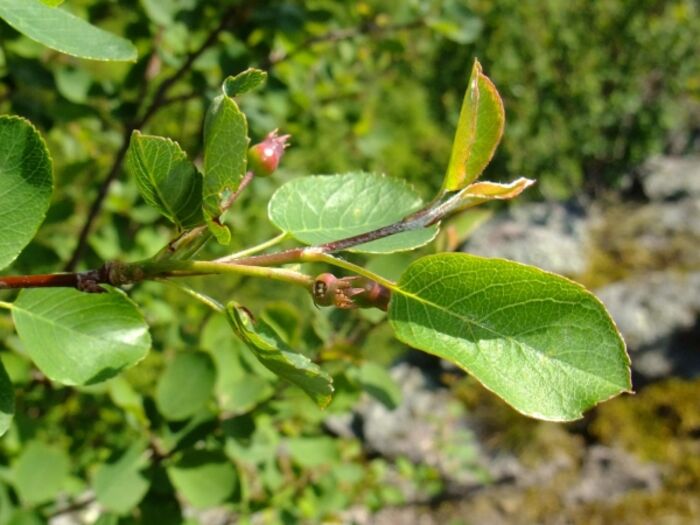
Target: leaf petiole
(254, 249)
(311, 255)
(201, 297)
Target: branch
(87, 281)
(158, 101)
(116, 274)
(443, 206)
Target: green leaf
(204, 478)
(186, 385)
(40, 472)
(26, 183)
(278, 357)
(7, 400)
(324, 208)
(313, 452)
(73, 83)
(167, 179)
(225, 159)
(245, 81)
(77, 338)
(120, 486)
(479, 131)
(7, 509)
(239, 387)
(53, 3)
(64, 32)
(162, 12)
(543, 343)
(25, 517)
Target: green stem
(316, 256)
(5, 305)
(158, 269)
(203, 298)
(254, 249)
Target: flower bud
(264, 157)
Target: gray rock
(608, 473)
(653, 235)
(649, 310)
(668, 178)
(551, 236)
(429, 427)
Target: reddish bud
(264, 157)
(329, 290)
(349, 292)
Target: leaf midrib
(154, 183)
(466, 319)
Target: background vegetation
(591, 90)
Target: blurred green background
(592, 90)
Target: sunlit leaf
(541, 342)
(167, 178)
(60, 30)
(77, 338)
(26, 183)
(225, 159)
(325, 208)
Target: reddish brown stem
(88, 281)
(245, 181)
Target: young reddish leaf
(479, 131)
(480, 192)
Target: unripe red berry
(264, 157)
